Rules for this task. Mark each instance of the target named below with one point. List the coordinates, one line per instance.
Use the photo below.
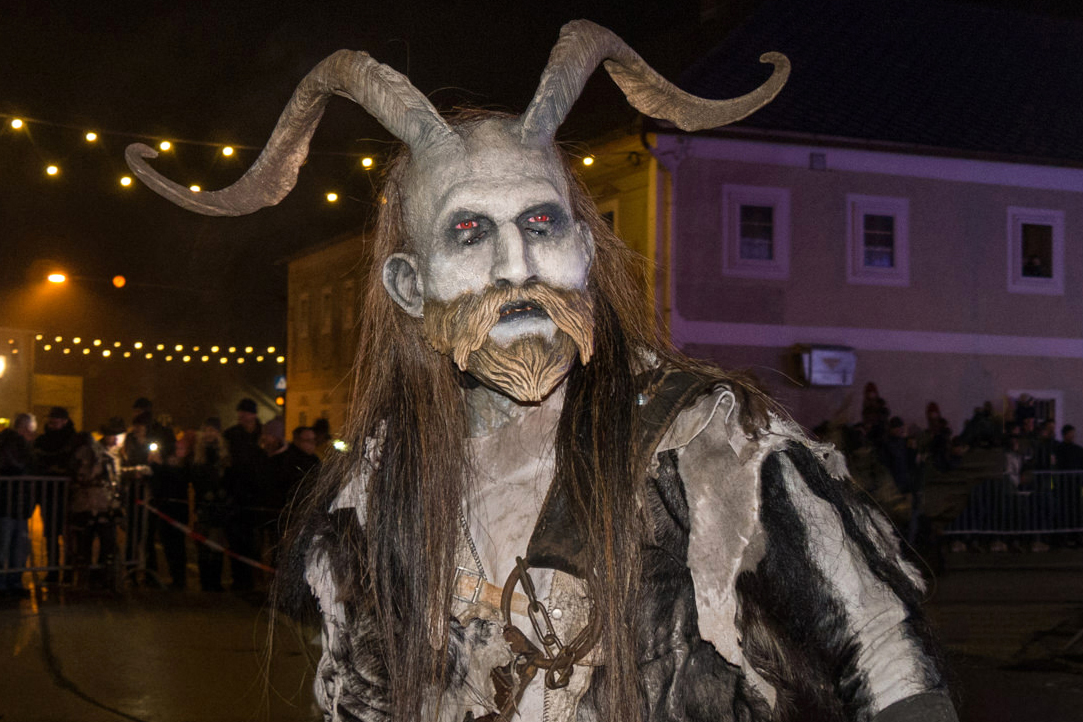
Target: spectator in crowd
(983, 428)
(321, 427)
(54, 452)
(899, 455)
(1069, 453)
(16, 503)
(96, 501)
(273, 437)
(1025, 409)
(935, 442)
(159, 429)
(268, 503)
(874, 414)
(243, 484)
(137, 484)
(1069, 486)
(209, 462)
(171, 482)
(1045, 447)
(299, 460)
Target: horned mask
(451, 168)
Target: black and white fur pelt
(795, 631)
(351, 678)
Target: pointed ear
(403, 283)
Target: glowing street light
(16, 123)
(57, 278)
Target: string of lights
(367, 161)
(76, 345)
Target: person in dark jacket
(54, 454)
(171, 481)
(96, 505)
(242, 479)
(287, 471)
(209, 462)
(16, 503)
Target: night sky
(221, 72)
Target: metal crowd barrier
(1045, 502)
(36, 538)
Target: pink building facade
(918, 263)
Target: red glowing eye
(466, 225)
(540, 218)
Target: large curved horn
(383, 92)
(583, 45)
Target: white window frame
(857, 207)
(735, 196)
(1017, 282)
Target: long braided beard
(528, 368)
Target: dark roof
(947, 76)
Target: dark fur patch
(794, 629)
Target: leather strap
(472, 588)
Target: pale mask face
(496, 217)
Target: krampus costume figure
(546, 513)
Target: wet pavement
(151, 655)
(1009, 626)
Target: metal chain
(470, 544)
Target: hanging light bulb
(91, 137)
(126, 180)
(227, 151)
(16, 123)
(165, 145)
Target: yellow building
(324, 293)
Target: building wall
(324, 295)
(953, 333)
(16, 373)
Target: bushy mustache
(461, 326)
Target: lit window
(1035, 251)
(877, 240)
(756, 232)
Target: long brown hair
(408, 396)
